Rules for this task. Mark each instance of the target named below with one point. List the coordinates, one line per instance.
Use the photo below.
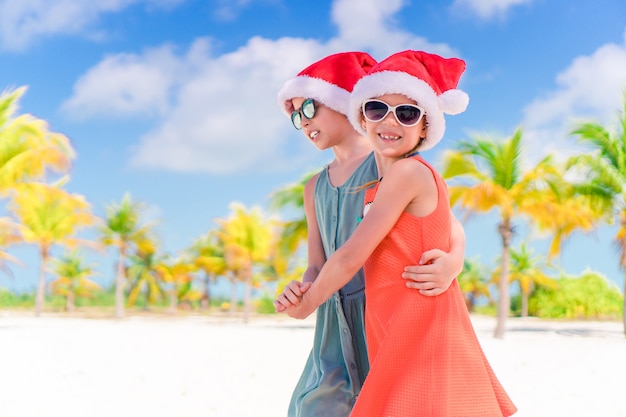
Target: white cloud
(126, 85)
(229, 9)
(369, 25)
(225, 117)
(23, 21)
(487, 9)
(219, 114)
(590, 89)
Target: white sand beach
(200, 366)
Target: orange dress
(425, 359)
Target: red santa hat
(429, 79)
(328, 81)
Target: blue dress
(337, 365)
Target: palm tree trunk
(525, 304)
(624, 305)
(233, 297)
(173, 301)
(504, 303)
(119, 286)
(246, 301)
(247, 293)
(69, 302)
(205, 303)
(41, 286)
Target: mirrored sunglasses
(406, 114)
(307, 110)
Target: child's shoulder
(310, 183)
(410, 175)
(414, 165)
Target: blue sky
(174, 101)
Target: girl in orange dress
(425, 359)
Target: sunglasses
(406, 114)
(307, 110)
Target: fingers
(417, 272)
(426, 273)
(278, 307)
(293, 290)
(429, 289)
(427, 284)
(431, 256)
(432, 292)
(291, 295)
(287, 299)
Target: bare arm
(316, 257)
(437, 269)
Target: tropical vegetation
(259, 253)
(496, 177)
(601, 178)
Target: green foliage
(486, 310)
(265, 305)
(589, 296)
(516, 304)
(14, 300)
(98, 299)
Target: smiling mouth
(314, 134)
(388, 137)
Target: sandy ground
(205, 366)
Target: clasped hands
(431, 278)
(290, 300)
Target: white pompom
(453, 101)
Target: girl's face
(389, 137)
(326, 128)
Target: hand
(434, 274)
(291, 295)
(302, 310)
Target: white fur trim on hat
(328, 81)
(319, 90)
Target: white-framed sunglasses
(406, 114)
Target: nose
(303, 120)
(390, 119)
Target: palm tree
(473, 283)
(527, 269)
(602, 177)
(9, 235)
(73, 279)
(292, 197)
(497, 180)
(143, 274)
(208, 255)
(27, 148)
(123, 231)
(282, 266)
(50, 216)
(246, 236)
(178, 274)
